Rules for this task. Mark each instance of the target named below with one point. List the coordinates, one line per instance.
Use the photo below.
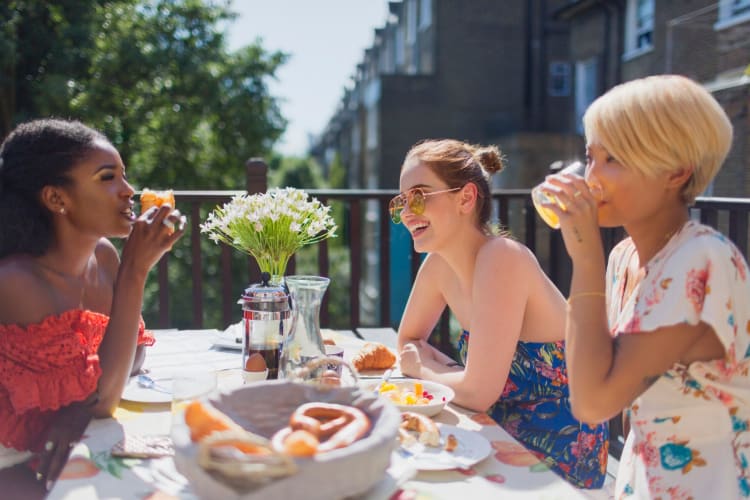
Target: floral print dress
(689, 431)
(534, 408)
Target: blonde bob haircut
(662, 124)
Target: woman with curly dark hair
(70, 307)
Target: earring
(62, 211)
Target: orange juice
(539, 197)
(546, 214)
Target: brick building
(520, 74)
(613, 41)
(482, 71)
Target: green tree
(157, 78)
(183, 111)
(43, 45)
(303, 173)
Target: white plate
(231, 338)
(441, 395)
(472, 448)
(138, 394)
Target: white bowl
(441, 395)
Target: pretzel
(243, 458)
(333, 426)
(429, 434)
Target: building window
(399, 48)
(587, 86)
(639, 28)
(425, 14)
(371, 138)
(559, 79)
(732, 12)
(411, 22)
(739, 7)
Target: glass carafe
(304, 341)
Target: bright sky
(325, 40)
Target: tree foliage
(157, 78)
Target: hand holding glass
(540, 197)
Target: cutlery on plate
(148, 383)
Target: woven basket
(263, 409)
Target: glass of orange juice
(540, 197)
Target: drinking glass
(539, 197)
(188, 386)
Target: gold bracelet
(585, 294)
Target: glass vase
(304, 341)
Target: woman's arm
(606, 374)
(148, 241)
(140, 357)
(501, 279)
(425, 305)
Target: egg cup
(249, 377)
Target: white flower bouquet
(270, 226)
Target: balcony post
(256, 172)
(257, 176)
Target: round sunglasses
(414, 199)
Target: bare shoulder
(434, 269)
(506, 252)
(24, 296)
(107, 257)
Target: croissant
(373, 356)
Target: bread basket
(265, 407)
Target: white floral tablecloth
(510, 471)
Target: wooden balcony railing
(363, 224)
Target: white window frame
(633, 31)
(732, 12)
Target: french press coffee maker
(266, 319)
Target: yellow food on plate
(150, 198)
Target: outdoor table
(93, 473)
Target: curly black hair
(35, 154)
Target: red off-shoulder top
(46, 366)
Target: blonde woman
(665, 332)
(514, 357)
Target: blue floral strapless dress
(535, 409)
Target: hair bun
(490, 159)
